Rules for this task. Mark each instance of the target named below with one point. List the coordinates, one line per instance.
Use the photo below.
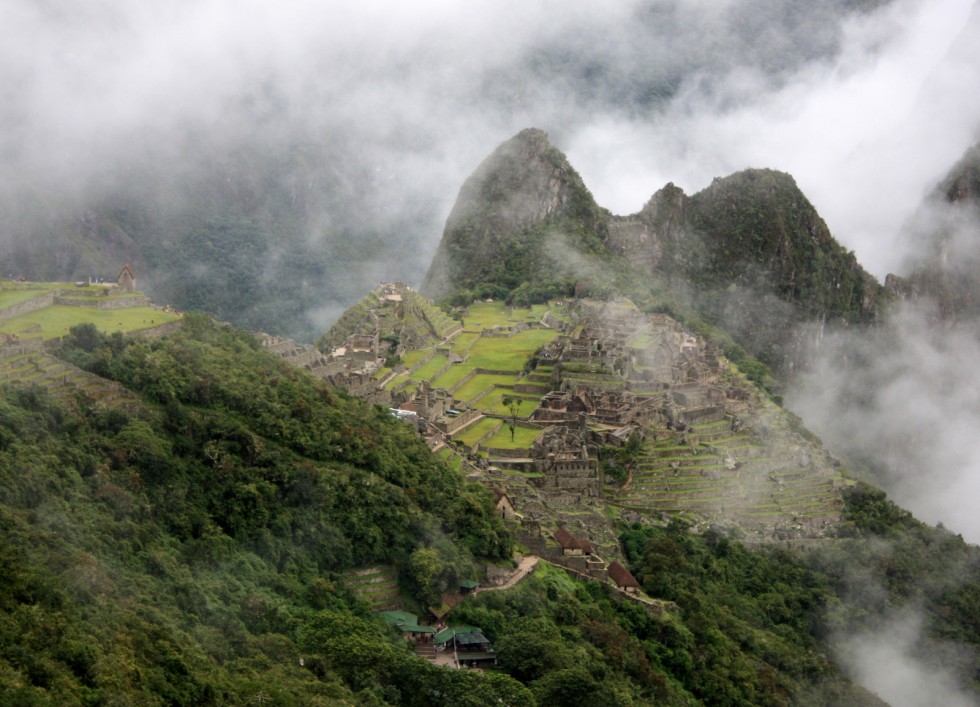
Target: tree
(513, 405)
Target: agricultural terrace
(484, 344)
(55, 321)
(479, 383)
(471, 434)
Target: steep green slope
(176, 556)
(193, 551)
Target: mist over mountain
(902, 397)
(263, 164)
(748, 254)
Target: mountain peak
(497, 229)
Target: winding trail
(524, 568)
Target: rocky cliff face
(944, 277)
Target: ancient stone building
(127, 278)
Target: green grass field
(485, 315)
(463, 340)
(510, 353)
(10, 296)
(414, 356)
(494, 403)
(451, 377)
(57, 320)
(523, 438)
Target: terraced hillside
(533, 398)
(742, 472)
(377, 586)
(34, 315)
(396, 310)
(26, 366)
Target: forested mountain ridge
(749, 253)
(171, 556)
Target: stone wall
(155, 332)
(104, 302)
(31, 305)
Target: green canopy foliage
(177, 553)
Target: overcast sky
(866, 111)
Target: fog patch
(904, 399)
(901, 665)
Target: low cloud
(897, 662)
(863, 108)
(904, 399)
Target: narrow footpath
(526, 566)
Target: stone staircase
(426, 651)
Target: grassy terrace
(701, 483)
(639, 341)
(472, 434)
(454, 375)
(10, 296)
(485, 315)
(463, 340)
(412, 357)
(451, 458)
(430, 368)
(57, 320)
(479, 383)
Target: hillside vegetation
(193, 549)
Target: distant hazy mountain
(947, 227)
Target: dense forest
(191, 550)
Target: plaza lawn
(485, 315)
(510, 353)
(523, 438)
(57, 320)
(493, 403)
